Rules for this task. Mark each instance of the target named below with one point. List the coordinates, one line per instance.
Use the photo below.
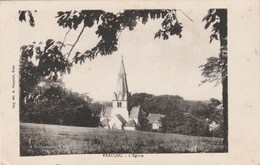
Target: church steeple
(121, 91)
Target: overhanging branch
(186, 15)
(76, 41)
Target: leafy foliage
(40, 62)
(137, 99)
(163, 104)
(110, 26)
(170, 26)
(214, 70)
(56, 105)
(143, 122)
(216, 115)
(26, 13)
(48, 59)
(197, 109)
(28, 70)
(72, 19)
(184, 123)
(213, 17)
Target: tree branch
(120, 32)
(186, 15)
(76, 41)
(66, 36)
(68, 44)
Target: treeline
(181, 116)
(52, 103)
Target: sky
(153, 66)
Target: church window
(119, 104)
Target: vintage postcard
(130, 82)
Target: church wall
(115, 121)
(122, 111)
(123, 103)
(130, 128)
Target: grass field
(43, 139)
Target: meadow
(44, 139)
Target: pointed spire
(121, 88)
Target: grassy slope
(43, 139)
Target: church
(117, 116)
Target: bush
(184, 123)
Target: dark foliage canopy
(110, 26)
(53, 104)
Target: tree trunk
(225, 111)
(223, 58)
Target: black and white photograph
(129, 82)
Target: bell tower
(121, 93)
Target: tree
(184, 123)
(143, 122)
(40, 63)
(162, 104)
(216, 68)
(198, 109)
(55, 104)
(216, 116)
(137, 99)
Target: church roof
(106, 112)
(122, 120)
(121, 91)
(134, 112)
(130, 123)
(154, 118)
